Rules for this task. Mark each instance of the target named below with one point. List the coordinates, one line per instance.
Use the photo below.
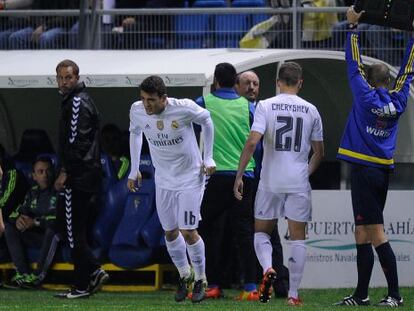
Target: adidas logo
(147, 127)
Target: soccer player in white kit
(179, 174)
(290, 127)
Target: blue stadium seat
(108, 172)
(253, 19)
(248, 3)
(229, 29)
(26, 168)
(258, 18)
(127, 248)
(191, 30)
(152, 233)
(209, 4)
(109, 216)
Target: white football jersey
(288, 124)
(172, 142)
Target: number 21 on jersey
(284, 134)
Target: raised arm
(405, 76)
(356, 75)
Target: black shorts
(369, 187)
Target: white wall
(331, 253)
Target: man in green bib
(232, 116)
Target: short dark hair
(68, 63)
(43, 159)
(225, 74)
(378, 74)
(154, 84)
(290, 73)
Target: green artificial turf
(163, 300)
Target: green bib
(231, 129)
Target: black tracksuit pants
(218, 199)
(18, 241)
(74, 210)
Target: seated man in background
(13, 186)
(32, 226)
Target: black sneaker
(391, 302)
(353, 301)
(199, 291)
(74, 293)
(98, 279)
(183, 285)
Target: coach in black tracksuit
(80, 176)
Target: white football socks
(196, 252)
(263, 249)
(296, 266)
(178, 254)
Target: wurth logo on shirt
(378, 132)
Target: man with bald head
(247, 85)
(368, 144)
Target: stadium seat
(209, 4)
(191, 30)
(26, 168)
(108, 172)
(229, 29)
(32, 143)
(127, 249)
(152, 233)
(248, 3)
(109, 216)
(127, 245)
(258, 18)
(253, 19)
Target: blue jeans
(4, 38)
(22, 39)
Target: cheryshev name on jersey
(290, 107)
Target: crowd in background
(319, 30)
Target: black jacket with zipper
(79, 148)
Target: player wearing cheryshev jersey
(289, 124)
(368, 144)
(290, 127)
(179, 174)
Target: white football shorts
(294, 206)
(179, 208)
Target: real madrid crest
(174, 125)
(160, 125)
